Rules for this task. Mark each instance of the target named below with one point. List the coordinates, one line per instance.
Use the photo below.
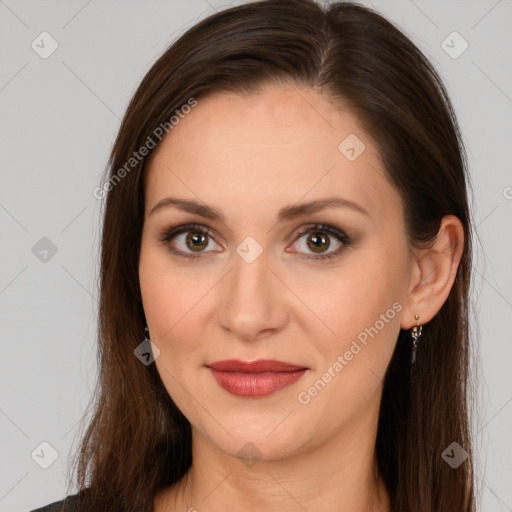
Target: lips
(261, 366)
(255, 379)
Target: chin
(255, 444)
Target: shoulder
(70, 503)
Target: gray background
(59, 117)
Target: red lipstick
(255, 379)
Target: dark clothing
(69, 504)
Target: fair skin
(247, 157)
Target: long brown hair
(137, 441)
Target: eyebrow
(288, 212)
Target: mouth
(255, 379)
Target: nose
(252, 302)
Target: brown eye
(318, 242)
(196, 241)
(189, 240)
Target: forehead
(278, 115)
(284, 143)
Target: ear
(433, 273)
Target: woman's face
(259, 284)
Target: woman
(285, 269)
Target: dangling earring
(415, 333)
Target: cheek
(173, 302)
(172, 306)
(350, 365)
(351, 298)
(357, 311)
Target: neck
(339, 476)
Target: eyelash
(169, 234)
